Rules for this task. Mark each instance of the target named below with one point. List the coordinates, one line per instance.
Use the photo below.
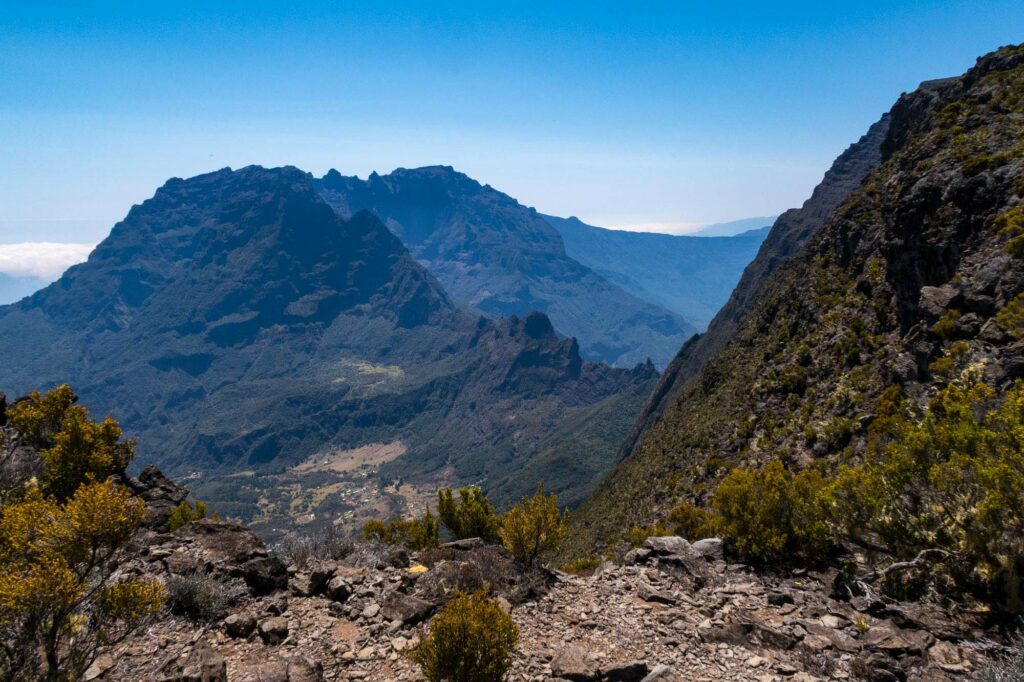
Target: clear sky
(625, 113)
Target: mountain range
(235, 323)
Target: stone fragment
(649, 593)
(630, 671)
(304, 669)
(406, 608)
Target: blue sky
(625, 114)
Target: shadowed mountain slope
(234, 321)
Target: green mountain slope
(907, 283)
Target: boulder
(649, 593)
(160, 494)
(339, 589)
(575, 663)
(274, 630)
(636, 556)
(303, 669)
(240, 625)
(406, 608)
(630, 671)
(440, 583)
(709, 548)
(670, 544)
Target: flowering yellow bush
(56, 592)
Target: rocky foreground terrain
(668, 611)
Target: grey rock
(274, 630)
(649, 593)
(636, 556)
(709, 548)
(670, 544)
(465, 544)
(663, 673)
(574, 663)
(303, 669)
(240, 625)
(631, 671)
(339, 589)
(406, 608)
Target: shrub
(768, 513)
(1010, 317)
(472, 516)
(327, 544)
(534, 527)
(691, 522)
(471, 640)
(638, 534)
(582, 566)
(72, 446)
(58, 602)
(185, 514)
(415, 534)
(201, 596)
(953, 482)
(1006, 668)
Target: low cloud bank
(41, 260)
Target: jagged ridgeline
(237, 325)
(909, 290)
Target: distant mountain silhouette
(235, 321)
(691, 276)
(734, 227)
(499, 257)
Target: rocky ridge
(670, 611)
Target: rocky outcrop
(733, 623)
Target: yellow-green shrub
(72, 446)
(769, 513)
(953, 482)
(690, 521)
(471, 640)
(533, 527)
(58, 602)
(415, 534)
(185, 514)
(472, 516)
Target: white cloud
(41, 260)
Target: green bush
(472, 516)
(534, 527)
(953, 482)
(471, 640)
(185, 513)
(582, 566)
(691, 522)
(73, 447)
(770, 514)
(415, 534)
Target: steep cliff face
(788, 234)
(235, 321)
(502, 258)
(907, 282)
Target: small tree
(72, 446)
(185, 513)
(533, 527)
(471, 517)
(58, 602)
(471, 640)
